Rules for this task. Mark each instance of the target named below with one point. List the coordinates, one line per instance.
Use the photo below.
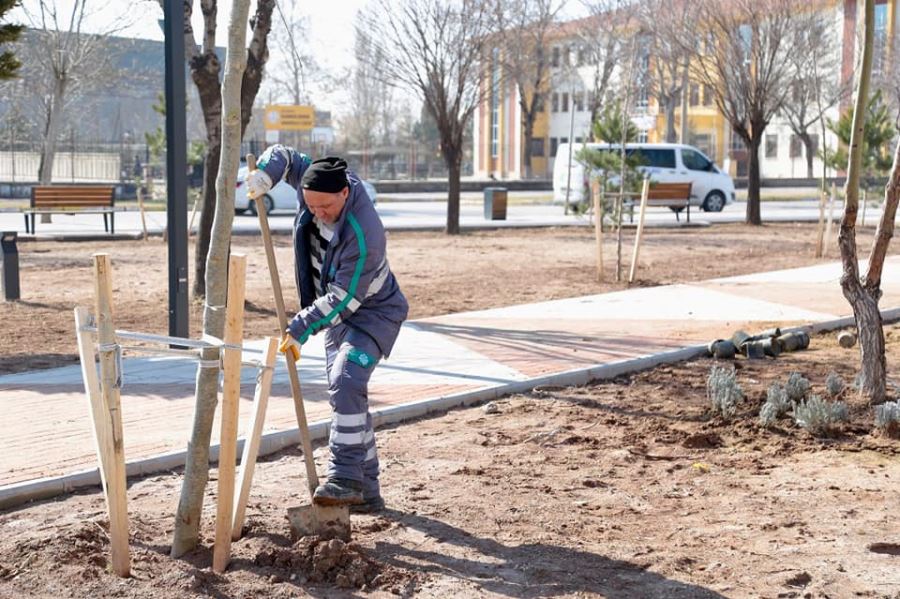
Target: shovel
(325, 521)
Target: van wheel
(714, 202)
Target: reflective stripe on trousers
(352, 438)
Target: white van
(711, 189)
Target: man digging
(347, 289)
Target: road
(399, 213)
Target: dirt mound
(346, 565)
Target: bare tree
(290, 32)
(524, 29)
(746, 64)
(434, 47)
(662, 22)
(62, 64)
(369, 118)
(864, 293)
(602, 35)
(205, 70)
(817, 85)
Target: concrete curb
(44, 488)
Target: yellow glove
(289, 347)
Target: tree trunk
(527, 133)
(808, 145)
(51, 133)
(205, 73)
(863, 298)
(671, 136)
(754, 216)
(190, 506)
(454, 168)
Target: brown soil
(439, 275)
(627, 488)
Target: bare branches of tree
(63, 63)
(662, 23)
(602, 36)
(434, 47)
(524, 29)
(816, 86)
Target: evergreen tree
(876, 156)
(9, 64)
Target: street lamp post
(176, 168)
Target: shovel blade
(328, 522)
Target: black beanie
(328, 175)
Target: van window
(657, 158)
(694, 160)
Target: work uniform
(347, 289)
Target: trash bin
(10, 279)
(495, 203)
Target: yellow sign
(283, 117)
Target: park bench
(72, 199)
(676, 196)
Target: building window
(707, 95)
(579, 140)
(495, 105)
(565, 102)
(771, 146)
(554, 102)
(737, 142)
(554, 57)
(537, 147)
(567, 53)
(815, 144)
(578, 101)
(582, 55)
(746, 34)
(563, 140)
(554, 143)
(694, 98)
(539, 103)
(642, 137)
(796, 147)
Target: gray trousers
(351, 356)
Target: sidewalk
(437, 362)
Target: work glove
(258, 183)
(289, 347)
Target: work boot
(338, 491)
(370, 505)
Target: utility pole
(176, 168)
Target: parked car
(282, 197)
(711, 189)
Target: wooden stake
(231, 390)
(110, 380)
(140, 199)
(101, 424)
(645, 191)
(312, 479)
(598, 227)
(828, 222)
(820, 231)
(251, 441)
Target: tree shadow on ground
(530, 569)
(548, 344)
